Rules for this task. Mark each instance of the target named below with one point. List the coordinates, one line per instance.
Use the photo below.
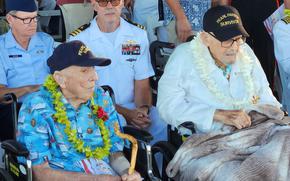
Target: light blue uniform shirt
(281, 33)
(46, 140)
(193, 9)
(20, 67)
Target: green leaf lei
(61, 117)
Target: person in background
(23, 55)
(183, 18)
(45, 5)
(146, 13)
(253, 14)
(281, 33)
(24, 51)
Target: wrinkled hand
(134, 177)
(139, 118)
(237, 118)
(183, 29)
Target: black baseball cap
(74, 53)
(20, 5)
(225, 22)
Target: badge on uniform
(15, 56)
(39, 51)
(131, 47)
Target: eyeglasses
(229, 43)
(26, 20)
(104, 3)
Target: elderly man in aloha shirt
(68, 125)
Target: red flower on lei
(102, 114)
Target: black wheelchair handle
(189, 125)
(8, 97)
(139, 134)
(15, 148)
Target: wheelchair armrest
(15, 148)
(139, 134)
(188, 125)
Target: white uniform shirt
(183, 96)
(128, 62)
(281, 33)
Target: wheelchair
(23, 172)
(160, 53)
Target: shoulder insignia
(135, 24)
(286, 20)
(80, 29)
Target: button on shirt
(20, 67)
(193, 9)
(46, 140)
(129, 55)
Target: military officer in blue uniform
(23, 55)
(126, 44)
(23, 52)
(281, 33)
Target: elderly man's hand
(138, 118)
(237, 118)
(134, 177)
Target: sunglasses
(104, 3)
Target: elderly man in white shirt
(214, 79)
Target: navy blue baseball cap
(74, 53)
(20, 5)
(225, 22)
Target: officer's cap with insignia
(20, 5)
(74, 53)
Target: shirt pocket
(92, 136)
(21, 69)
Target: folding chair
(75, 15)
(160, 53)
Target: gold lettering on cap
(83, 50)
(221, 18)
(225, 23)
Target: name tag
(15, 56)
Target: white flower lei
(202, 58)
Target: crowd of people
(66, 120)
